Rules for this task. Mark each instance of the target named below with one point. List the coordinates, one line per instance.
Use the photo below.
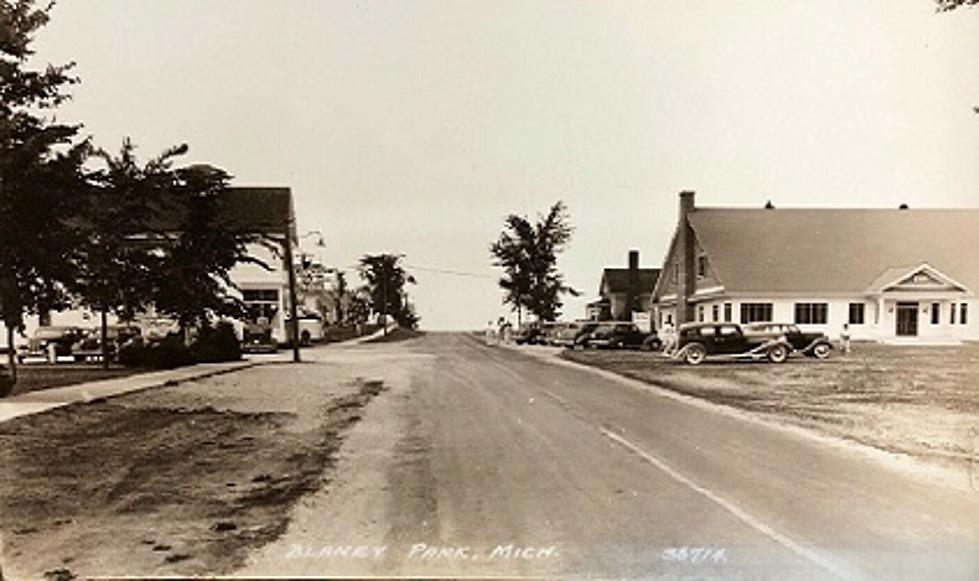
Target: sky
(417, 126)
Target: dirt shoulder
(919, 401)
(178, 480)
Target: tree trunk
(105, 339)
(11, 355)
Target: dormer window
(701, 266)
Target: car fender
(814, 343)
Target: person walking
(845, 339)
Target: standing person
(489, 332)
(845, 339)
(669, 338)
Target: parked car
(619, 335)
(699, 342)
(810, 344)
(60, 338)
(531, 334)
(257, 338)
(568, 335)
(89, 347)
(311, 328)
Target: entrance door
(907, 319)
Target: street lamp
(291, 268)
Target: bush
(6, 382)
(166, 353)
(217, 344)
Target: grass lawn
(922, 401)
(35, 376)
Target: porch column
(879, 322)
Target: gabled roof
(834, 250)
(256, 210)
(617, 280)
(905, 277)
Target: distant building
(259, 210)
(893, 275)
(624, 292)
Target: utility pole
(384, 300)
(293, 311)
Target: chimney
(632, 290)
(686, 279)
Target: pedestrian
(845, 339)
(489, 332)
(669, 338)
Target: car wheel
(821, 351)
(778, 354)
(695, 354)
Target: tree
(40, 174)
(528, 255)
(946, 5)
(124, 198)
(191, 265)
(385, 280)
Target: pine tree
(40, 174)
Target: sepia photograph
(489, 289)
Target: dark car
(698, 342)
(257, 338)
(530, 335)
(811, 344)
(62, 338)
(90, 346)
(619, 335)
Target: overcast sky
(416, 126)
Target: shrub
(166, 353)
(6, 382)
(217, 344)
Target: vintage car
(570, 333)
(89, 347)
(257, 338)
(51, 341)
(810, 344)
(699, 342)
(618, 335)
(531, 334)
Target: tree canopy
(527, 252)
(385, 279)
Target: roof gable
(834, 250)
(616, 280)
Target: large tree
(118, 216)
(528, 252)
(385, 279)
(195, 255)
(40, 173)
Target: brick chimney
(687, 279)
(632, 290)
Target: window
(728, 330)
(676, 272)
(811, 313)
(951, 319)
(727, 312)
(856, 313)
(701, 266)
(707, 331)
(752, 312)
(964, 313)
(936, 313)
(260, 295)
(700, 313)
(715, 313)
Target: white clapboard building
(894, 275)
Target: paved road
(484, 461)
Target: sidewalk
(45, 399)
(41, 400)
